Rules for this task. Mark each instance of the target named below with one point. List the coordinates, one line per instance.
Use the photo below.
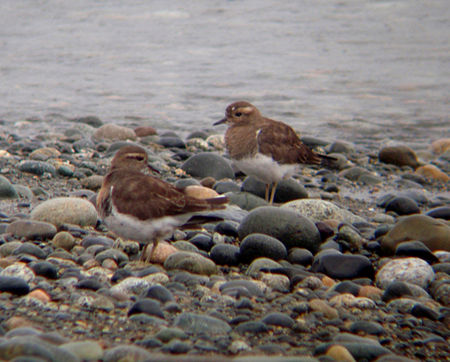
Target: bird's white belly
(132, 228)
(265, 169)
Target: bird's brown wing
(147, 197)
(280, 141)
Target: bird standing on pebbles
(141, 207)
(264, 148)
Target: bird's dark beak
(223, 120)
(151, 168)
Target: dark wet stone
(245, 200)
(201, 324)
(197, 134)
(188, 279)
(367, 327)
(421, 311)
(150, 343)
(300, 256)
(343, 266)
(167, 334)
(273, 349)
(341, 147)
(252, 327)
(89, 283)
(396, 290)
(258, 245)
(14, 285)
(354, 173)
(442, 268)
(177, 347)
(382, 230)
(202, 241)
(416, 248)
(33, 348)
(347, 287)
(93, 121)
(442, 212)
(45, 269)
(83, 144)
(417, 194)
(31, 249)
(227, 228)
(278, 319)
(330, 245)
(31, 229)
(147, 306)
(171, 142)
(287, 190)
(360, 351)
(225, 254)
(292, 229)
(369, 179)
(37, 167)
(185, 182)
(398, 155)
(331, 187)
(324, 229)
(403, 206)
(126, 353)
(159, 293)
(383, 200)
(222, 187)
(152, 269)
(97, 240)
(7, 191)
(244, 303)
(114, 254)
(313, 142)
(251, 287)
(206, 164)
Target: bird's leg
(272, 195)
(267, 192)
(155, 244)
(144, 250)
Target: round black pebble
(14, 285)
(225, 254)
(147, 306)
(160, 293)
(260, 245)
(403, 206)
(45, 269)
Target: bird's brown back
(147, 197)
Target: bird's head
(131, 157)
(240, 113)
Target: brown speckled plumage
(251, 135)
(143, 207)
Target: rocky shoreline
(352, 263)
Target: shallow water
(360, 70)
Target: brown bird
(142, 207)
(264, 148)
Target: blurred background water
(360, 70)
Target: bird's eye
(238, 114)
(137, 157)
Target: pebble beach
(351, 263)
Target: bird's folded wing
(280, 141)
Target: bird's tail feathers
(326, 160)
(217, 202)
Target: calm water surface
(361, 70)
